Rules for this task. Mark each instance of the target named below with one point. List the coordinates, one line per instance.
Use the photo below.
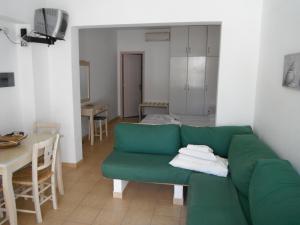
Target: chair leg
(36, 200)
(106, 132)
(1, 213)
(89, 132)
(53, 191)
(100, 124)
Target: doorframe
(122, 53)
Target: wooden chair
(52, 128)
(34, 179)
(3, 216)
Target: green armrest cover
(143, 168)
(213, 200)
(218, 138)
(244, 151)
(152, 139)
(274, 193)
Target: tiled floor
(88, 198)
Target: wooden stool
(98, 121)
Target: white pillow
(217, 167)
(198, 154)
(202, 148)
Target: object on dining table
(12, 139)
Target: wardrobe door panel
(179, 41)
(213, 41)
(197, 41)
(196, 86)
(212, 65)
(178, 85)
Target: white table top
(16, 157)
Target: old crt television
(51, 22)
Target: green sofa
(261, 189)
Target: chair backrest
(46, 127)
(44, 155)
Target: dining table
(13, 159)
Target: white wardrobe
(194, 52)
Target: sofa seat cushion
(213, 201)
(152, 139)
(143, 168)
(218, 138)
(274, 193)
(244, 151)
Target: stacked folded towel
(202, 159)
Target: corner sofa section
(142, 153)
(261, 189)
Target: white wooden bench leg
(119, 186)
(178, 195)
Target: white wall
(10, 113)
(156, 64)
(238, 57)
(25, 102)
(277, 108)
(99, 47)
(17, 103)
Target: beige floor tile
(84, 214)
(142, 204)
(73, 223)
(95, 201)
(117, 205)
(165, 208)
(137, 217)
(164, 220)
(108, 217)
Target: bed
(198, 121)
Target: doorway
(132, 82)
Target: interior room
(165, 74)
(149, 113)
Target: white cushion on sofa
(217, 167)
(198, 154)
(201, 148)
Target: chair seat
(24, 176)
(99, 118)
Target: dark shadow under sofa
(261, 189)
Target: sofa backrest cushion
(153, 139)
(244, 151)
(218, 138)
(274, 193)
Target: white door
(132, 84)
(212, 68)
(213, 41)
(197, 40)
(179, 41)
(196, 86)
(178, 85)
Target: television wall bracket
(47, 40)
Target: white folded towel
(198, 154)
(202, 148)
(217, 167)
